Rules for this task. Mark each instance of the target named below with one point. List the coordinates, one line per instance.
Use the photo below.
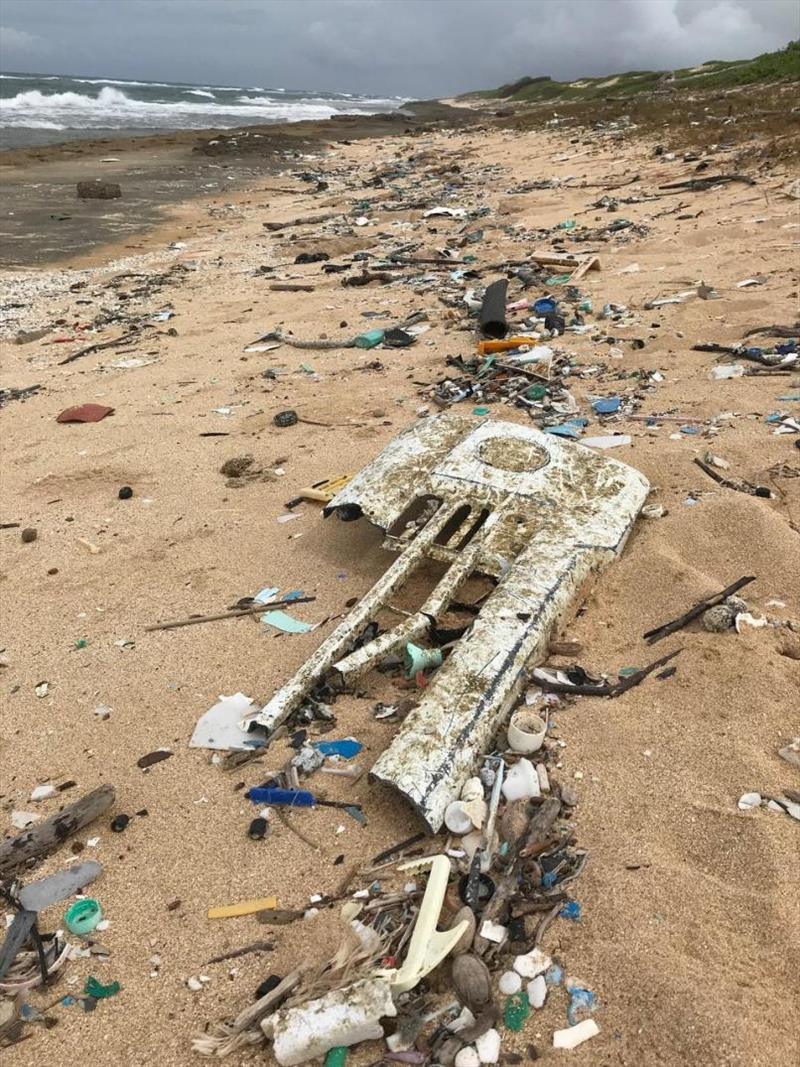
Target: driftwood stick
(234, 954)
(607, 689)
(545, 921)
(290, 287)
(733, 483)
(540, 825)
(309, 220)
(99, 346)
(677, 624)
(252, 609)
(698, 184)
(399, 847)
(47, 835)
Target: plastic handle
(298, 798)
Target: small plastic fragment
(571, 910)
(748, 801)
(516, 1011)
(488, 1046)
(85, 413)
(467, 1057)
(43, 792)
(510, 983)
(493, 931)
(573, 1036)
(285, 623)
(93, 988)
(243, 907)
(581, 1002)
(537, 991)
(532, 963)
(347, 747)
(336, 1057)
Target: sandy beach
(690, 927)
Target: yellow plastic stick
(244, 907)
(486, 347)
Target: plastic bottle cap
(83, 916)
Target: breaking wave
(112, 108)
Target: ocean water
(45, 109)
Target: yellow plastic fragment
(244, 907)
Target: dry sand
(690, 928)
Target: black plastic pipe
(493, 310)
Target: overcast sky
(416, 48)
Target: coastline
(45, 224)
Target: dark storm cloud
(405, 47)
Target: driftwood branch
(700, 184)
(607, 689)
(98, 346)
(48, 835)
(309, 220)
(683, 620)
(235, 613)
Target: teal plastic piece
(93, 988)
(83, 916)
(516, 1011)
(336, 1057)
(369, 339)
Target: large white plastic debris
(538, 514)
(341, 1018)
(219, 727)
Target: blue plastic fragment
(607, 405)
(571, 428)
(581, 1002)
(356, 813)
(267, 593)
(346, 748)
(295, 594)
(544, 306)
(563, 430)
(776, 416)
(296, 798)
(571, 910)
(549, 879)
(690, 429)
(287, 624)
(554, 975)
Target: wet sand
(44, 221)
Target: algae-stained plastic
(537, 514)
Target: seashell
(464, 943)
(472, 982)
